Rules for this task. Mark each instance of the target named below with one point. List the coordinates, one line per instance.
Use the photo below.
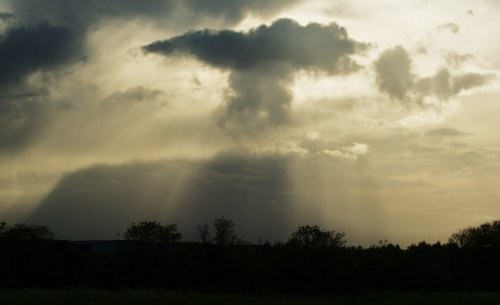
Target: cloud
(281, 148)
(468, 80)
(358, 149)
(338, 154)
(262, 62)
(446, 133)
(439, 85)
(431, 114)
(349, 152)
(455, 59)
(395, 77)
(393, 72)
(52, 31)
(444, 85)
(450, 26)
(314, 46)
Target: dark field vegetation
(160, 297)
(311, 262)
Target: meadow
(162, 297)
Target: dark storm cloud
(262, 62)
(47, 35)
(44, 36)
(4, 16)
(314, 46)
(101, 201)
(395, 77)
(50, 32)
(83, 13)
(24, 50)
(88, 12)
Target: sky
(375, 118)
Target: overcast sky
(377, 118)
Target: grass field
(153, 297)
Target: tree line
(225, 234)
(484, 235)
(312, 260)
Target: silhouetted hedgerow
(311, 262)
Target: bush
(25, 232)
(153, 232)
(314, 237)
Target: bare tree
(202, 234)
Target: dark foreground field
(154, 297)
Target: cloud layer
(111, 112)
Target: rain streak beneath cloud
(262, 62)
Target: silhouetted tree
(3, 227)
(314, 237)
(225, 234)
(202, 234)
(25, 232)
(485, 235)
(153, 232)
